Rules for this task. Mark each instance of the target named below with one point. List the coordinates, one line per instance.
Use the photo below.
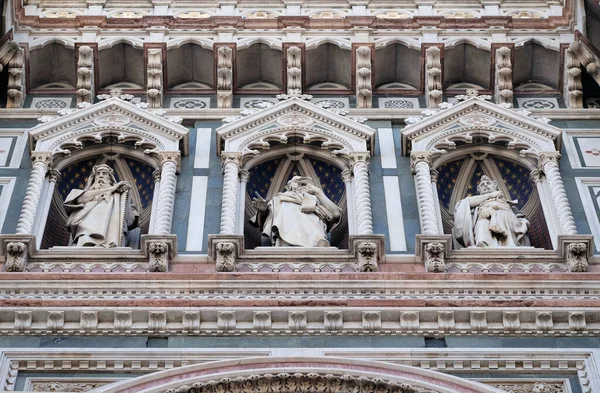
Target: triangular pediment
(476, 118)
(111, 118)
(279, 123)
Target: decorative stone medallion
(537, 103)
(295, 120)
(112, 120)
(593, 102)
(477, 120)
(399, 103)
(255, 103)
(51, 103)
(331, 103)
(190, 103)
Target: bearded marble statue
(489, 220)
(102, 215)
(301, 216)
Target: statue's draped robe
(492, 223)
(296, 219)
(103, 222)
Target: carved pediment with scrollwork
(298, 121)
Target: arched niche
(259, 68)
(308, 374)
(121, 66)
(397, 67)
(127, 163)
(328, 69)
(133, 141)
(536, 68)
(458, 174)
(269, 173)
(477, 136)
(465, 63)
(52, 67)
(262, 151)
(190, 67)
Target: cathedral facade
(300, 196)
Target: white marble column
(41, 165)
(360, 168)
(44, 206)
(438, 213)
(169, 164)
(155, 194)
(551, 216)
(231, 167)
(241, 207)
(420, 163)
(548, 163)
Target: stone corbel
(587, 57)
(572, 89)
(432, 250)
(16, 250)
(576, 251)
(433, 77)
(294, 70)
(503, 87)
(85, 74)
(16, 80)
(224, 250)
(364, 88)
(155, 78)
(369, 251)
(160, 250)
(224, 77)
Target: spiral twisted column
(231, 167)
(41, 165)
(169, 164)
(420, 163)
(362, 193)
(548, 163)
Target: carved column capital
(419, 156)
(170, 156)
(434, 175)
(54, 175)
(231, 158)
(356, 158)
(536, 175)
(244, 175)
(45, 157)
(347, 175)
(548, 157)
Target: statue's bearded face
(102, 179)
(486, 186)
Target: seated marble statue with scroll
(301, 216)
(489, 220)
(102, 215)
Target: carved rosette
(420, 163)
(41, 164)
(231, 165)
(548, 163)
(360, 168)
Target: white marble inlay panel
(589, 191)
(189, 102)
(393, 206)
(387, 147)
(8, 184)
(202, 152)
(51, 102)
(399, 103)
(5, 144)
(195, 234)
(7, 136)
(537, 103)
(590, 150)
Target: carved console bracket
(161, 249)
(224, 77)
(433, 250)
(21, 255)
(16, 250)
(229, 254)
(576, 251)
